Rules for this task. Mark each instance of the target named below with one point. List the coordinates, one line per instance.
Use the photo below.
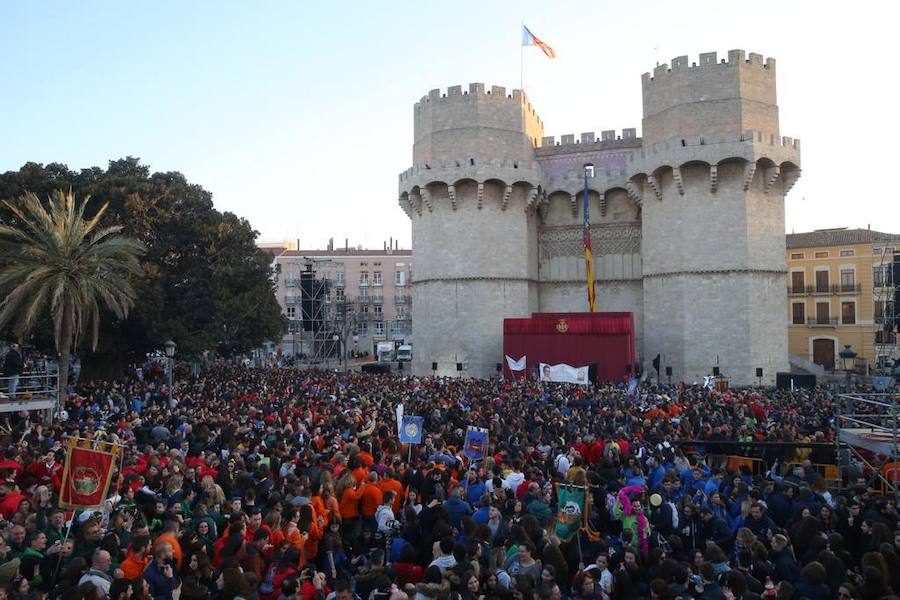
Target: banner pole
(65, 539)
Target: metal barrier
(33, 391)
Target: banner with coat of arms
(571, 516)
(411, 429)
(86, 476)
(476, 443)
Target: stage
(576, 339)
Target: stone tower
(687, 221)
(713, 173)
(470, 196)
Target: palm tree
(55, 257)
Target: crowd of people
(282, 484)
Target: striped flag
(529, 39)
(588, 253)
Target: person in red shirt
(10, 499)
(371, 499)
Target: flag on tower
(529, 39)
(588, 252)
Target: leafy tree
(55, 259)
(206, 285)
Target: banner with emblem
(475, 446)
(572, 514)
(87, 474)
(412, 429)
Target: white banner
(564, 374)
(516, 365)
(399, 413)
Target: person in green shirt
(53, 526)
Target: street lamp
(337, 342)
(847, 355)
(170, 355)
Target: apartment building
(841, 291)
(368, 289)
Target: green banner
(570, 515)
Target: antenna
(656, 51)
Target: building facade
(841, 293)
(367, 289)
(687, 221)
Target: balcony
(822, 321)
(824, 290)
(378, 299)
(291, 300)
(377, 283)
(292, 282)
(401, 299)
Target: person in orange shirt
(350, 493)
(370, 501)
(138, 557)
(356, 468)
(312, 525)
(365, 456)
(390, 483)
(170, 536)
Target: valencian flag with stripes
(588, 252)
(529, 39)
(86, 477)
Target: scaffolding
(866, 424)
(886, 285)
(327, 319)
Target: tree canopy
(206, 285)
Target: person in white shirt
(384, 516)
(514, 479)
(562, 464)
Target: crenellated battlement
(757, 137)
(464, 166)
(607, 138)
(710, 60)
(476, 91)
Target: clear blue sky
(298, 115)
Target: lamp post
(170, 356)
(847, 355)
(337, 341)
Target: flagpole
(521, 57)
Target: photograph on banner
(571, 516)
(563, 373)
(412, 430)
(476, 443)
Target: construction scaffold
(866, 424)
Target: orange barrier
(830, 473)
(756, 466)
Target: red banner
(86, 477)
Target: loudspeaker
(759, 371)
(628, 369)
(499, 367)
(400, 365)
(434, 366)
(312, 293)
(715, 371)
(459, 366)
(668, 371)
(376, 368)
(804, 380)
